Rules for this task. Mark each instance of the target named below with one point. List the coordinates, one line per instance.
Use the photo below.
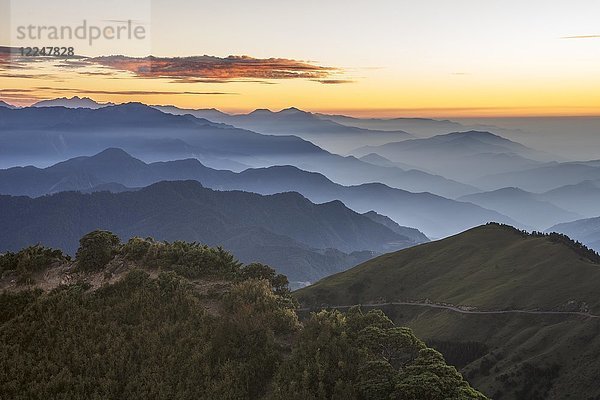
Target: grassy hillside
(492, 267)
(149, 319)
(512, 356)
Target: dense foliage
(191, 260)
(30, 260)
(96, 249)
(365, 356)
(186, 321)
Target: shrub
(96, 249)
(29, 261)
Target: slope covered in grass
(511, 355)
(492, 267)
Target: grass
(491, 267)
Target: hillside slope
(516, 312)
(491, 267)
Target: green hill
(466, 295)
(158, 320)
(492, 267)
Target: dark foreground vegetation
(157, 320)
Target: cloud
(582, 37)
(144, 92)
(333, 81)
(38, 89)
(193, 69)
(209, 69)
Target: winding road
(460, 310)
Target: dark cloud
(22, 92)
(215, 69)
(194, 69)
(333, 81)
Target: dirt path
(463, 311)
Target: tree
(96, 249)
(260, 271)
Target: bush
(29, 261)
(259, 271)
(96, 249)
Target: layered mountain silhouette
(528, 208)
(543, 178)
(585, 230)
(583, 197)
(4, 104)
(50, 134)
(303, 240)
(460, 155)
(72, 102)
(538, 210)
(325, 133)
(497, 301)
(434, 215)
(421, 127)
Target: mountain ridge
(434, 215)
(321, 237)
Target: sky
(460, 58)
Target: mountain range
(303, 240)
(42, 136)
(4, 104)
(420, 127)
(530, 209)
(585, 230)
(72, 102)
(465, 156)
(543, 178)
(434, 215)
(325, 133)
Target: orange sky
(383, 58)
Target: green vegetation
(29, 261)
(492, 267)
(149, 319)
(365, 356)
(96, 249)
(191, 260)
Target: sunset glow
(466, 59)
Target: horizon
(385, 114)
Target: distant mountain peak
(292, 110)
(260, 111)
(114, 156)
(6, 105)
(113, 152)
(72, 102)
